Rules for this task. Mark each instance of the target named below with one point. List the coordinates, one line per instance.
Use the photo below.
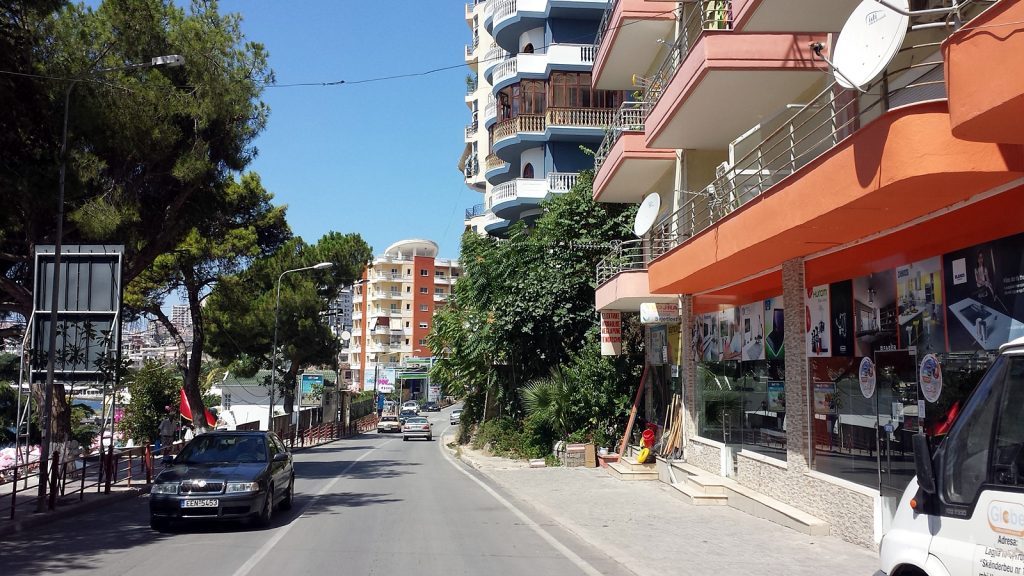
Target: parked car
(224, 475)
(455, 416)
(417, 427)
(389, 424)
(411, 406)
(431, 407)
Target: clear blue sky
(378, 158)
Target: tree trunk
(194, 366)
(60, 414)
(289, 389)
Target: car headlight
(236, 487)
(165, 488)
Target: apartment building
(532, 105)
(393, 308)
(837, 252)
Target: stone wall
(704, 456)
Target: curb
(31, 521)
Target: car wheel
(159, 524)
(286, 504)
(405, 438)
(267, 514)
(430, 438)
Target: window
(423, 341)
(424, 308)
(1008, 459)
(528, 171)
(572, 90)
(967, 448)
(424, 290)
(406, 324)
(423, 272)
(408, 306)
(423, 325)
(408, 289)
(528, 49)
(406, 341)
(226, 400)
(532, 98)
(438, 274)
(439, 291)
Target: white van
(964, 512)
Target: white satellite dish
(346, 335)
(646, 214)
(870, 39)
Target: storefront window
(743, 403)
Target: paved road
(369, 505)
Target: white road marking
(244, 569)
(571, 556)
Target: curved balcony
(510, 199)
(538, 65)
(490, 111)
(494, 56)
(495, 225)
(506, 20)
(496, 170)
(510, 137)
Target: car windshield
(389, 418)
(216, 448)
(416, 421)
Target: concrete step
(623, 471)
(696, 496)
(757, 504)
(710, 485)
(632, 464)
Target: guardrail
(625, 256)
(628, 118)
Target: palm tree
(550, 400)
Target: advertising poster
(874, 313)
(310, 388)
(774, 328)
(674, 356)
(866, 377)
(730, 334)
(824, 393)
(985, 294)
(817, 333)
(919, 305)
(705, 338)
(776, 396)
(840, 300)
(657, 345)
(930, 378)
(611, 333)
(752, 326)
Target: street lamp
(168, 61)
(273, 351)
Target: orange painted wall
(362, 328)
(418, 299)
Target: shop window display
(743, 404)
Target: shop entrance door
(898, 421)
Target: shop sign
(866, 375)
(659, 313)
(611, 333)
(930, 377)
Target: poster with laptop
(816, 332)
(752, 326)
(774, 328)
(919, 306)
(710, 345)
(874, 313)
(840, 304)
(730, 334)
(985, 294)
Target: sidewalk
(644, 527)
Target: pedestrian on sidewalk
(166, 431)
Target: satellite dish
(646, 214)
(346, 335)
(870, 39)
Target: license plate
(199, 503)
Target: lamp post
(168, 61)
(273, 351)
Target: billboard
(311, 386)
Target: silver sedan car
(417, 427)
(454, 418)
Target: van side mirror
(923, 464)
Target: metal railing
(625, 256)
(475, 210)
(471, 130)
(817, 127)
(698, 17)
(469, 50)
(606, 19)
(628, 118)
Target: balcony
(490, 111)
(713, 83)
(471, 169)
(471, 130)
(625, 169)
(441, 297)
(494, 166)
(508, 19)
(622, 279)
(626, 41)
(495, 225)
(475, 210)
(811, 182)
(517, 133)
(538, 65)
(789, 15)
(510, 199)
(495, 56)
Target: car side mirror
(281, 457)
(167, 460)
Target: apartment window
(423, 325)
(408, 306)
(438, 290)
(572, 90)
(438, 274)
(393, 270)
(424, 272)
(424, 290)
(455, 274)
(406, 341)
(529, 98)
(408, 289)
(424, 308)
(423, 341)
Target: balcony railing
(504, 8)
(626, 256)
(471, 130)
(494, 55)
(606, 18)
(506, 69)
(471, 168)
(628, 118)
(491, 108)
(539, 63)
(493, 162)
(475, 210)
(561, 182)
(471, 87)
(818, 126)
(469, 50)
(574, 117)
(703, 15)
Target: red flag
(186, 411)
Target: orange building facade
(827, 246)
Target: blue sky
(378, 158)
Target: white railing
(628, 118)
(494, 56)
(587, 52)
(561, 182)
(505, 70)
(471, 130)
(491, 109)
(504, 8)
(820, 125)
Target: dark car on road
(431, 407)
(224, 476)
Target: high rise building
(837, 251)
(532, 105)
(393, 308)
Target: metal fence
(625, 256)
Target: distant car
(389, 424)
(224, 476)
(431, 407)
(411, 405)
(455, 416)
(417, 427)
